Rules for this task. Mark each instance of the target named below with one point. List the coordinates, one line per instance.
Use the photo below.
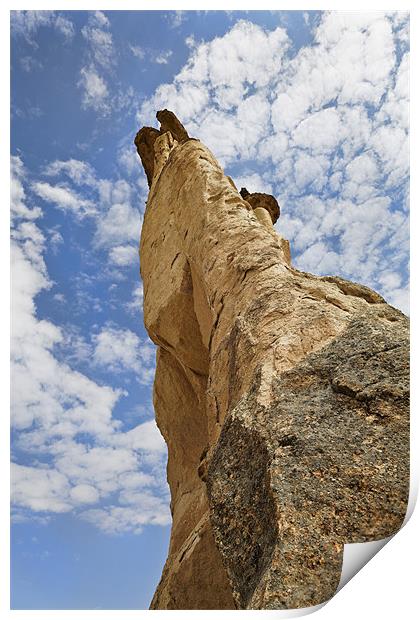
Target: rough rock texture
(282, 396)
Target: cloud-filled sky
(309, 106)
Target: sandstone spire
(282, 396)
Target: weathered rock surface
(282, 396)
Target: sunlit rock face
(282, 396)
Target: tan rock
(146, 137)
(263, 216)
(169, 122)
(282, 396)
(262, 201)
(144, 141)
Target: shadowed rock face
(282, 396)
(145, 141)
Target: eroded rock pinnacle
(282, 396)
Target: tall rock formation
(282, 396)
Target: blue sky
(309, 106)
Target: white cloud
(111, 193)
(124, 255)
(17, 192)
(80, 172)
(119, 225)
(116, 349)
(360, 47)
(129, 161)
(399, 96)
(226, 67)
(136, 480)
(64, 26)
(45, 391)
(73, 345)
(27, 23)
(54, 405)
(95, 90)
(84, 494)
(245, 55)
(176, 18)
(399, 297)
(55, 239)
(99, 40)
(362, 233)
(31, 244)
(117, 222)
(135, 305)
(390, 143)
(361, 177)
(39, 489)
(98, 466)
(137, 51)
(311, 170)
(362, 169)
(65, 199)
(101, 59)
(163, 57)
(120, 350)
(253, 182)
(187, 100)
(145, 436)
(98, 18)
(148, 509)
(320, 131)
(29, 112)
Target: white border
(386, 586)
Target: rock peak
(145, 139)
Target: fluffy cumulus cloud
(122, 350)
(124, 255)
(80, 172)
(140, 509)
(55, 407)
(39, 489)
(65, 199)
(214, 92)
(120, 224)
(324, 128)
(113, 206)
